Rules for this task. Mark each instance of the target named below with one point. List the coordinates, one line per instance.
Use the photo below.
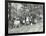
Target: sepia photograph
(25, 17)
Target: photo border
(6, 17)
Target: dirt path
(29, 28)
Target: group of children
(27, 21)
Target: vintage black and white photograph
(25, 17)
